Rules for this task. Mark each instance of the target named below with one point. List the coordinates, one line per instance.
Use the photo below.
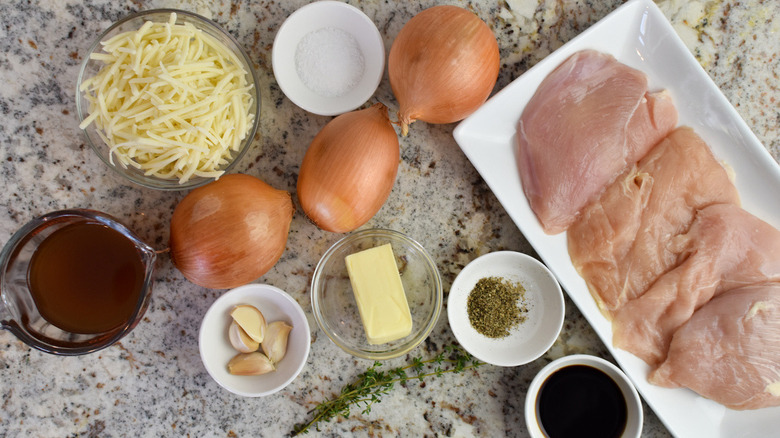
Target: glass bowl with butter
(376, 293)
(168, 99)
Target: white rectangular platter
(638, 35)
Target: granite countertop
(152, 383)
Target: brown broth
(86, 278)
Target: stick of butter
(379, 294)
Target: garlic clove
(240, 340)
(275, 343)
(251, 320)
(250, 364)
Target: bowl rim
(272, 293)
(635, 418)
(431, 265)
(466, 340)
(153, 182)
(335, 106)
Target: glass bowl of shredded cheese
(168, 99)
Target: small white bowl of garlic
(269, 362)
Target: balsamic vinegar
(581, 401)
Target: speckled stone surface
(152, 383)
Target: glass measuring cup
(18, 310)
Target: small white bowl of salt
(328, 57)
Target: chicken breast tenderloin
(589, 120)
(619, 244)
(729, 351)
(725, 248)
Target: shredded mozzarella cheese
(170, 100)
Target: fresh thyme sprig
(373, 383)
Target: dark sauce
(86, 278)
(581, 401)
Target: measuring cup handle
(7, 321)
(5, 314)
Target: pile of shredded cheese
(170, 100)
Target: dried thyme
(493, 306)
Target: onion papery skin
(442, 66)
(349, 169)
(230, 232)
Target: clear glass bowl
(333, 302)
(90, 68)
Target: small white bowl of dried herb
(506, 308)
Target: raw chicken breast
(619, 244)
(725, 248)
(590, 119)
(729, 351)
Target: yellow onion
(230, 231)
(442, 66)
(349, 169)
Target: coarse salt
(329, 61)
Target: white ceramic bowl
(321, 15)
(543, 298)
(634, 419)
(216, 351)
